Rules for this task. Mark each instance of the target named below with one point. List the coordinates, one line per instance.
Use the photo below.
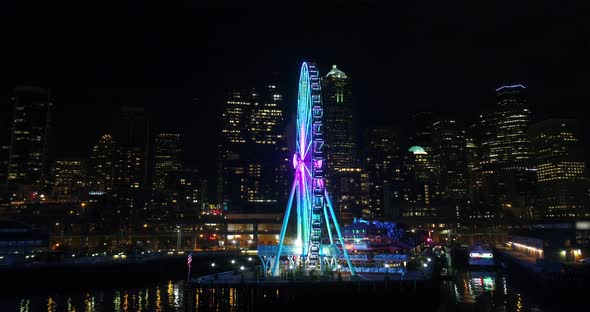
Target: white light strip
(526, 247)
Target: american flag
(189, 260)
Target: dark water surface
(465, 290)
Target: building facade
(29, 141)
(558, 152)
(167, 159)
(253, 156)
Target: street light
(242, 268)
(233, 261)
(213, 264)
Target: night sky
(176, 60)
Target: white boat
(481, 255)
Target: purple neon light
(512, 86)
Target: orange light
(145, 225)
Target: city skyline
(172, 66)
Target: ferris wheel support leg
(352, 269)
(328, 225)
(284, 229)
(299, 219)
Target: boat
(481, 256)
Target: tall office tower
(31, 123)
(506, 151)
(4, 152)
(449, 159)
(383, 165)
(514, 157)
(558, 153)
(167, 160)
(486, 201)
(474, 176)
(132, 133)
(348, 182)
(129, 178)
(253, 154)
(340, 141)
(339, 121)
(68, 180)
(101, 167)
(421, 130)
(420, 190)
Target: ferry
(481, 255)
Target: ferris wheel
(314, 209)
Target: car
(585, 260)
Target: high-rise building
(350, 197)
(128, 187)
(449, 159)
(181, 202)
(421, 130)
(561, 170)
(68, 180)
(506, 165)
(167, 159)
(132, 135)
(31, 122)
(102, 166)
(420, 191)
(383, 165)
(339, 121)
(253, 155)
(340, 144)
(4, 152)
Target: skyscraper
(382, 162)
(449, 159)
(561, 170)
(101, 167)
(253, 154)
(420, 191)
(340, 144)
(4, 152)
(132, 135)
(421, 130)
(167, 159)
(506, 164)
(339, 121)
(31, 122)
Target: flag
(189, 260)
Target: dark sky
(444, 56)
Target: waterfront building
(249, 230)
(18, 241)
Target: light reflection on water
(490, 290)
(467, 290)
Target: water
(471, 290)
(466, 290)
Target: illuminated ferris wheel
(314, 209)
